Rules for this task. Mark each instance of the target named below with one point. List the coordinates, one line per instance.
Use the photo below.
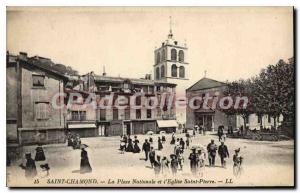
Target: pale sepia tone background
(230, 43)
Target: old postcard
(150, 97)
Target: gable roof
(205, 83)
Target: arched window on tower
(158, 58)
(163, 55)
(162, 71)
(181, 72)
(173, 54)
(157, 73)
(174, 70)
(181, 56)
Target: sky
(229, 43)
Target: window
(138, 113)
(174, 70)
(38, 80)
(115, 114)
(127, 114)
(149, 113)
(181, 56)
(158, 58)
(162, 72)
(42, 110)
(173, 54)
(158, 88)
(126, 86)
(102, 114)
(269, 119)
(138, 100)
(181, 72)
(78, 115)
(157, 73)
(163, 55)
(258, 118)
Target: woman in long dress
(129, 147)
(136, 148)
(85, 166)
(160, 146)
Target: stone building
(211, 117)
(31, 82)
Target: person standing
(146, 149)
(174, 164)
(237, 163)
(152, 156)
(220, 132)
(182, 144)
(212, 150)
(165, 165)
(223, 153)
(30, 168)
(193, 161)
(173, 139)
(187, 142)
(160, 146)
(129, 147)
(157, 166)
(180, 159)
(201, 163)
(136, 148)
(85, 166)
(39, 155)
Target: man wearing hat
(146, 149)
(30, 168)
(212, 151)
(223, 153)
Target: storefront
(169, 126)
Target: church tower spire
(170, 35)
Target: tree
(235, 90)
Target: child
(180, 160)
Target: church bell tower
(171, 66)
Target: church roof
(205, 83)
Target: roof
(166, 123)
(205, 83)
(133, 80)
(41, 63)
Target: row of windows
(162, 56)
(138, 114)
(160, 72)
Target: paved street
(265, 163)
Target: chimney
(23, 55)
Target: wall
(11, 104)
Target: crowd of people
(174, 162)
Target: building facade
(30, 86)
(109, 119)
(212, 117)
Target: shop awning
(166, 123)
(78, 126)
